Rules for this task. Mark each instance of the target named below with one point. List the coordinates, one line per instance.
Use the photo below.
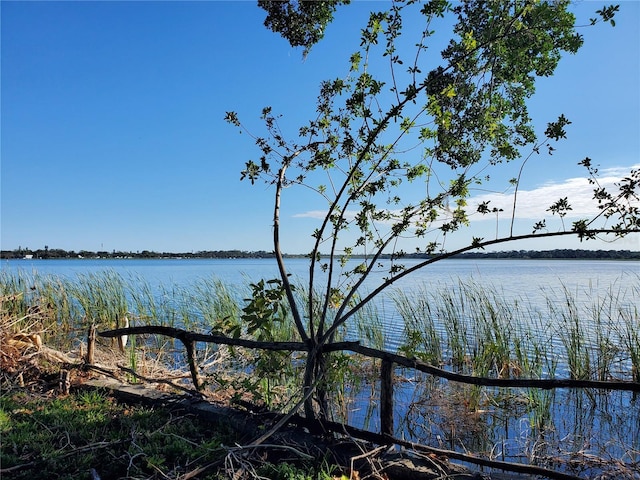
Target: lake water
(513, 277)
(531, 280)
(576, 416)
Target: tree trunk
(315, 405)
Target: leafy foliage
(266, 306)
(302, 23)
(405, 117)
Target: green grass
(65, 437)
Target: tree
(302, 23)
(444, 122)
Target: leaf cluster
(302, 23)
(266, 306)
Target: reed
(541, 410)
(421, 337)
(368, 326)
(600, 334)
(144, 303)
(627, 328)
(572, 334)
(606, 350)
(470, 323)
(471, 326)
(451, 312)
(20, 298)
(215, 305)
(38, 304)
(491, 325)
(102, 297)
(16, 292)
(57, 293)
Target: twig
(288, 416)
(111, 373)
(198, 471)
(17, 467)
(367, 456)
(253, 446)
(76, 451)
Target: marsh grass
(422, 339)
(216, 303)
(471, 328)
(625, 316)
(479, 330)
(102, 297)
(368, 326)
(592, 334)
(573, 335)
(61, 311)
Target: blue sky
(113, 135)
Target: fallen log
(340, 441)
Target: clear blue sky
(113, 135)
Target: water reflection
(578, 431)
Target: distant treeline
(53, 253)
(559, 254)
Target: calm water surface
(512, 276)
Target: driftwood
(189, 337)
(91, 345)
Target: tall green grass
(621, 314)
(479, 330)
(102, 298)
(421, 336)
(472, 327)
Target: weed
(66, 437)
(298, 471)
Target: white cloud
(533, 204)
(318, 214)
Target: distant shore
(559, 254)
